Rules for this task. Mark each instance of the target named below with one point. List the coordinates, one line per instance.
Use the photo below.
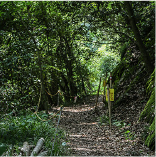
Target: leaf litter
(87, 137)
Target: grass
(16, 130)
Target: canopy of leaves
(67, 46)
(104, 62)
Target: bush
(16, 130)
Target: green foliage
(61, 54)
(11, 99)
(118, 123)
(22, 128)
(148, 114)
(103, 62)
(149, 111)
(103, 119)
(33, 52)
(150, 140)
(144, 133)
(16, 130)
(3, 148)
(107, 60)
(153, 2)
(64, 54)
(129, 135)
(123, 50)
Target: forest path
(88, 138)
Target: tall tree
(145, 56)
(42, 39)
(117, 23)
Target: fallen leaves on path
(88, 138)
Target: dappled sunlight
(80, 74)
(93, 123)
(84, 149)
(88, 137)
(76, 109)
(75, 135)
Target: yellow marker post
(106, 95)
(111, 95)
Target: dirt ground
(88, 138)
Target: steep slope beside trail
(134, 92)
(87, 137)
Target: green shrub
(3, 148)
(16, 130)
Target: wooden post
(104, 95)
(110, 80)
(109, 107)
(110, 101)
(58, 98)
(98, 91)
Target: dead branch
(25, 150)
(38, 147)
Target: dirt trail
(88, 138)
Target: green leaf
(127, 132)
(3, 148)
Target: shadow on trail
(83, 129)
(88, 138)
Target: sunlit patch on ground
(88, 138)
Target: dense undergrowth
(14, 130)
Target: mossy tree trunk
(148, 114)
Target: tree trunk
(69, 67)
(66, 96)
(98, 92)
(145, 56)
(83, 86)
